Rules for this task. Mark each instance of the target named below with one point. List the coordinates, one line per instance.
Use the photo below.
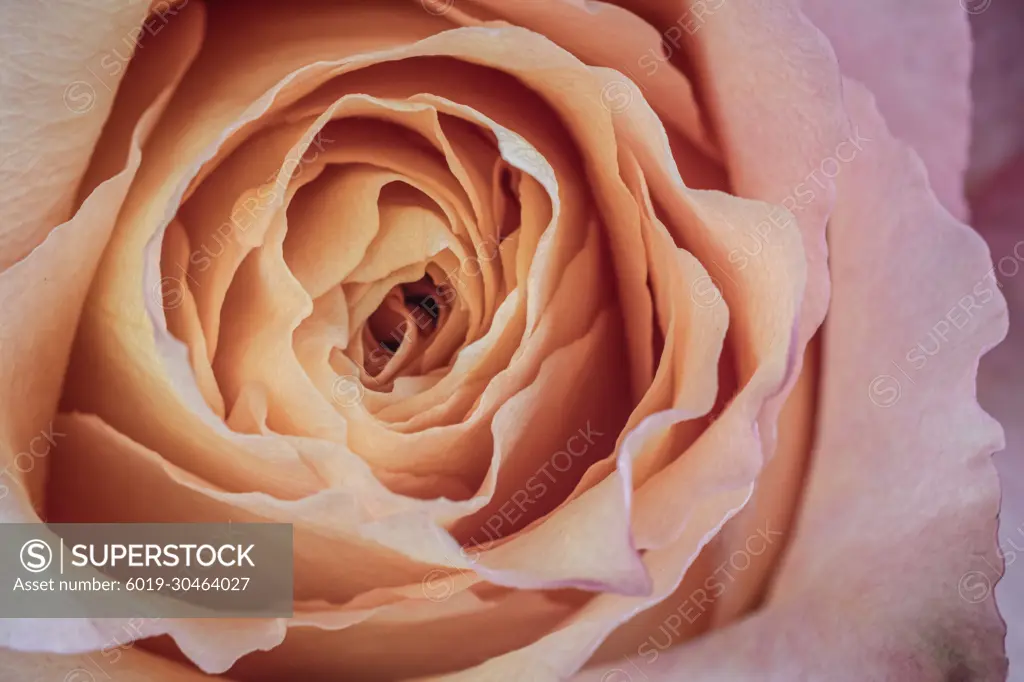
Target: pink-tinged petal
(786, 137)
(915, 57)
(779, 128)
(56, 98)
(997, 87)
(888, 576)
(999, 216)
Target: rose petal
(181, 147)
(44, 293)
(792, 159)
(718, 471)
(915, 57)
(95, 462)
(467, 42)
(602, 34)
(118, 656)
(52, 122)
(888, 576)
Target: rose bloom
(576, 340)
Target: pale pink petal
(889, 575)
(915, 57)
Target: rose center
(403, 326)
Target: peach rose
(525, 315)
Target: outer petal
(915, 56)
(41, 295)
(887, 576)
(786, 136)
(55, 100)
(41, 299)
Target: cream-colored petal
(118, 655)
(63, 63)
(43, 294)
(42, 297)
